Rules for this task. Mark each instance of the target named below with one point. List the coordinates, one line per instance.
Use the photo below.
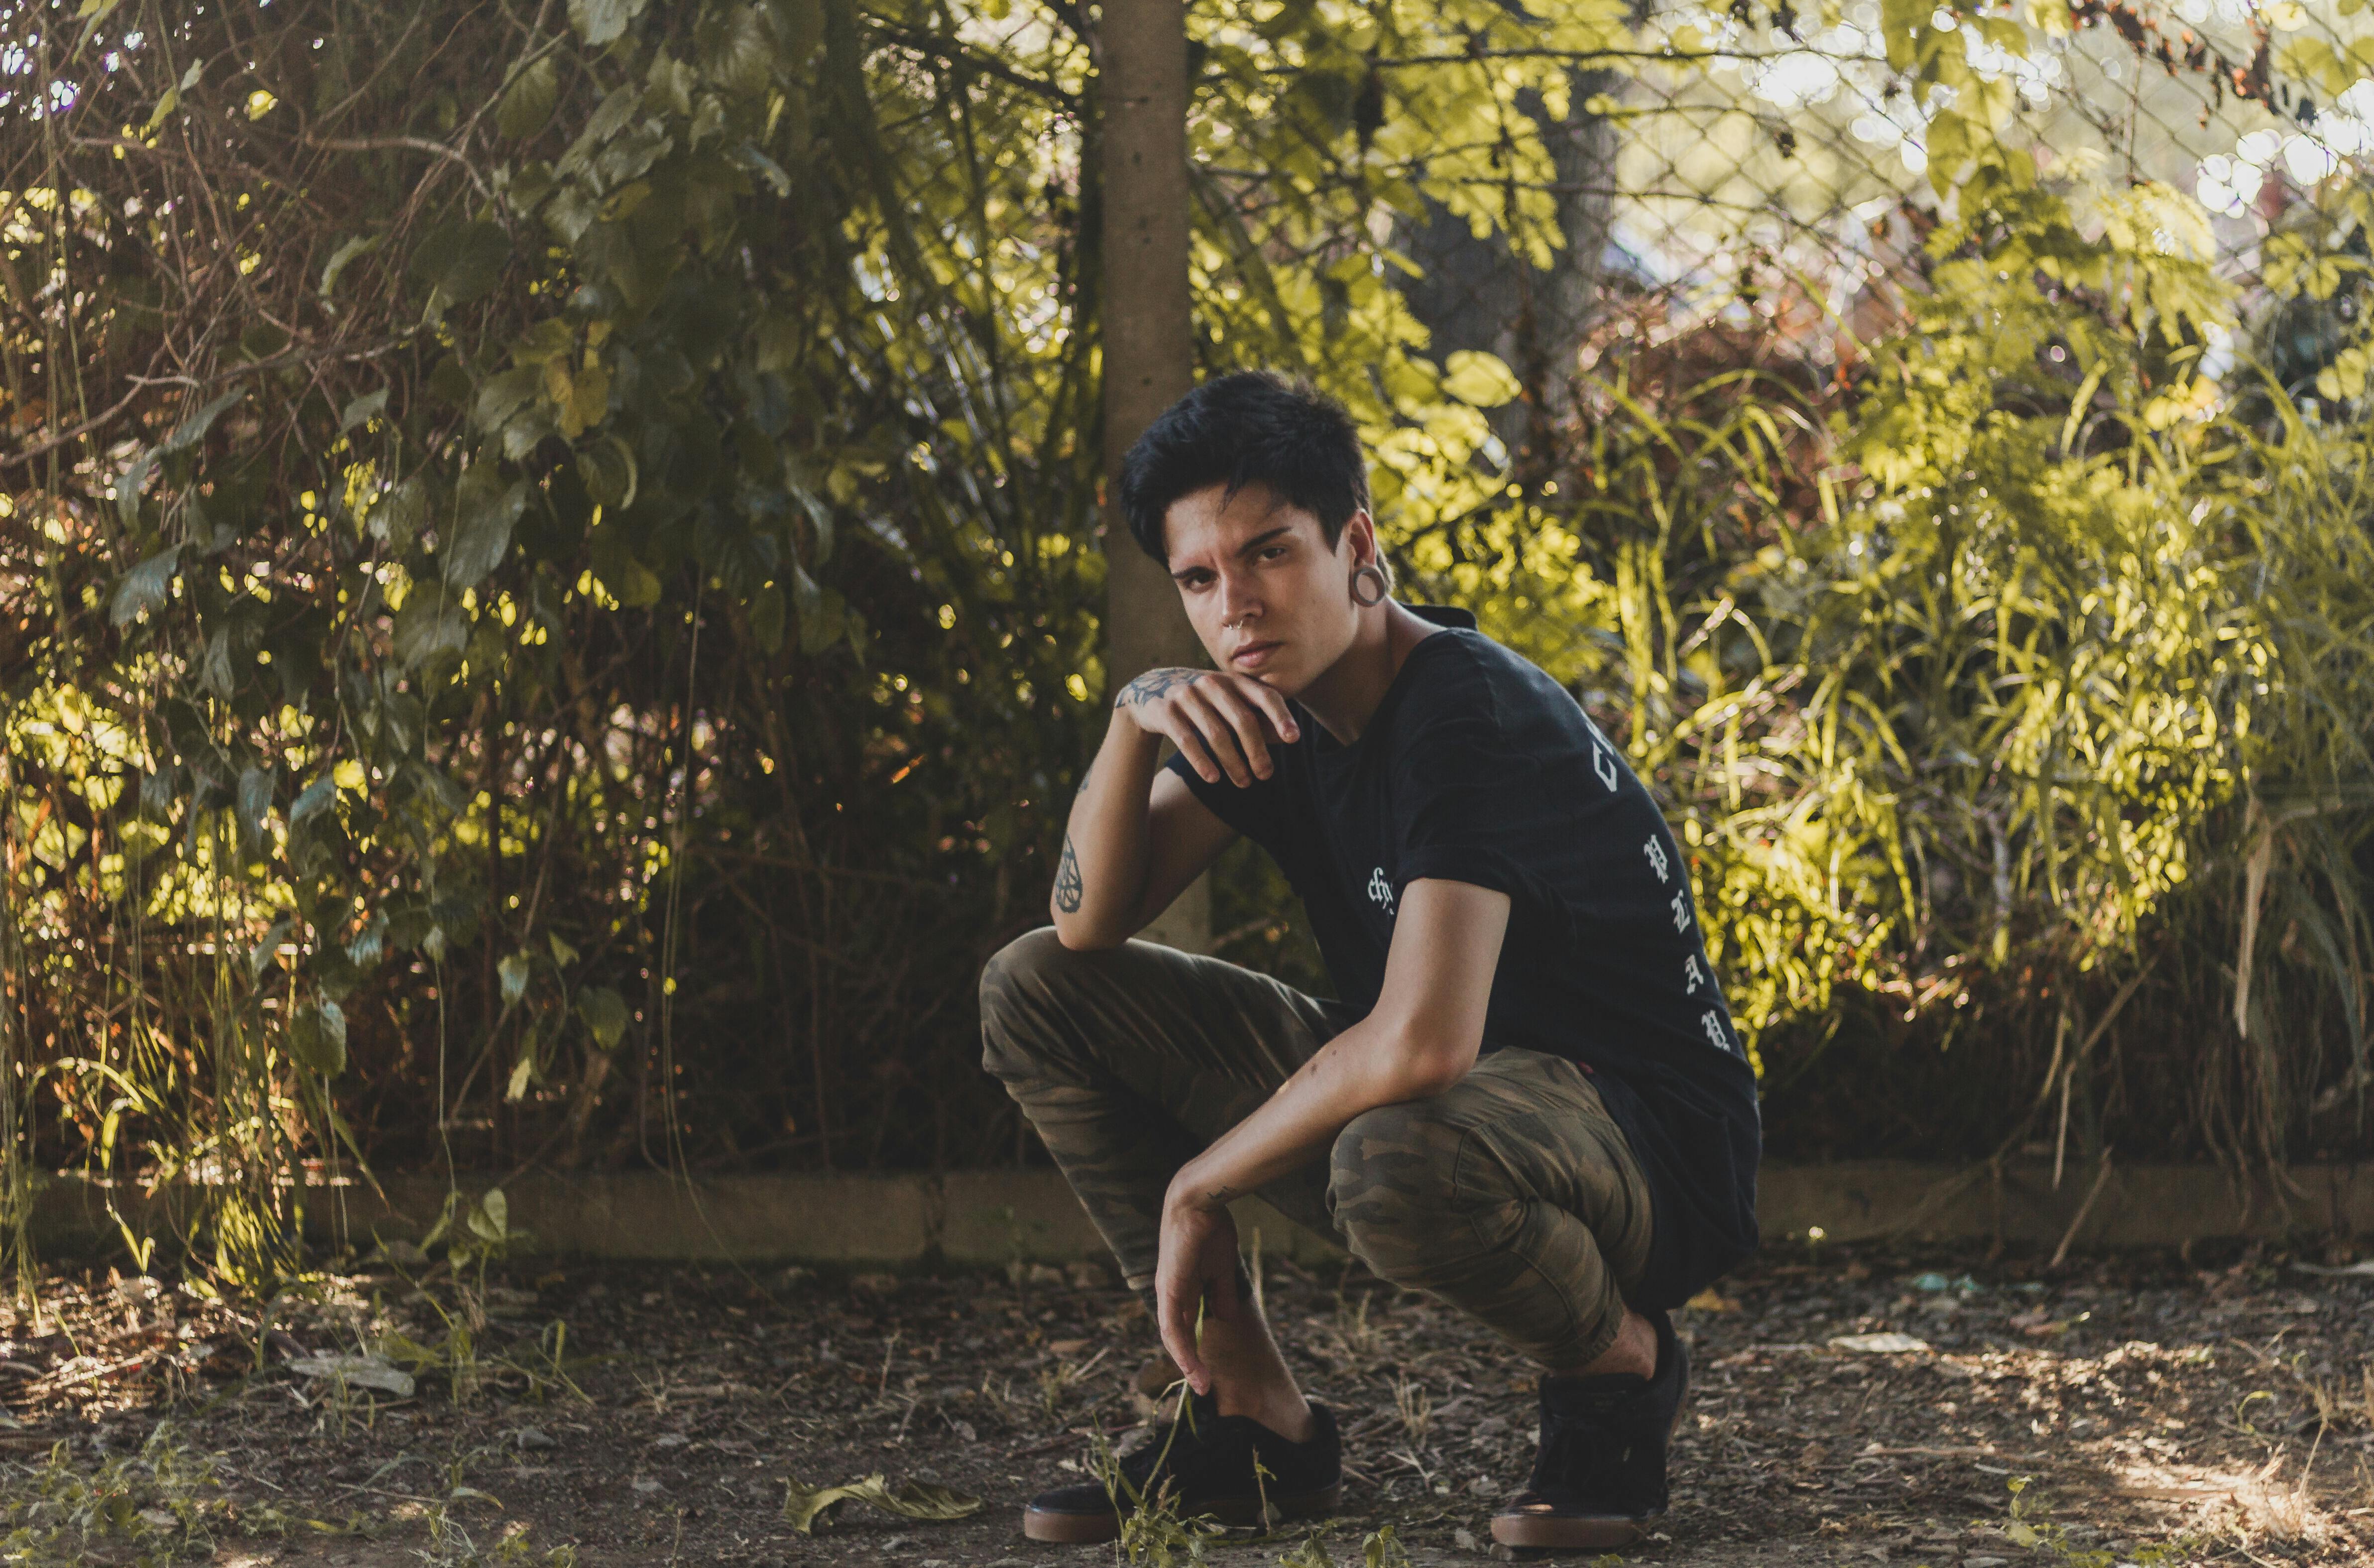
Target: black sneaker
(1206, 1460)
(1599, 1473)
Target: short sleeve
(1474, 809)
(1255, 811)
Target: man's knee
(1391, 1189)
(1014, 985)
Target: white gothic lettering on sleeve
(1381, 891)
(1603, 762)
(1693, 974)
(1657, 862)
(1711, 1021)
(1681, 907)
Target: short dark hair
(1254, 427)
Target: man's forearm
(1100, 881)
(1364, 1067)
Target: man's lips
(1254, 654)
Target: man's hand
(1221, 722)
(1197, 1265)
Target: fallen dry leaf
(916, 1499)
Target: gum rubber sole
(1554, 1532)
(1090, 1529)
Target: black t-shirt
(1479, 768)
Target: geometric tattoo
(1068, 886)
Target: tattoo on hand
(1154, 685)
(1067, 880)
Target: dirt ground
(2127, 1410)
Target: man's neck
(1344, 697)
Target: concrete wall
(994, 1217)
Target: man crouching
(1529, 1101)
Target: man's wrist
(1192, 1189)
(1125, 725)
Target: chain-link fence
(1792, 146)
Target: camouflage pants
(1513, 1194)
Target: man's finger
(1197, 751)
(1211, 725)
(1281, 717)
(1245, 722)
(1179, 1339)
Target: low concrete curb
(996, 1216)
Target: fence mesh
(1786, 144)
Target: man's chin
(1285, 682)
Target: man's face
(1266, 594)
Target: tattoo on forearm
(1154, 685)
(1067, 880)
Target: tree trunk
(1149, 348)
(1478, 294)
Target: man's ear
(1360, 533)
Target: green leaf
(599, 22)
(317, 1038)
(486, 510)
(638, 587)
(776, 342)
(429, 625)
(351, 251)
(766, 618)
(362, 411)
(1478, 378)
(461, 262)
(822, 613)
(604, 1012)
(501, 397)
(916, 1499)
(191, 430)
(803, 25)
(513, 973)
(490, 1218)
(253, 799)
(313, 798)
(607, 470)
(400, 514)
(264, 952)
(521, 1072)
(159, 115)
(562, 954)
(529, 101)
(262, 340)
(145, 588)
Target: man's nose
(1237, 600)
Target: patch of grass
(1154, 1534)
(1415, 1405)
(449, 1546)
(1379, 1549)
(160, 1505)
(1056, 1384)
(2029, 1528)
